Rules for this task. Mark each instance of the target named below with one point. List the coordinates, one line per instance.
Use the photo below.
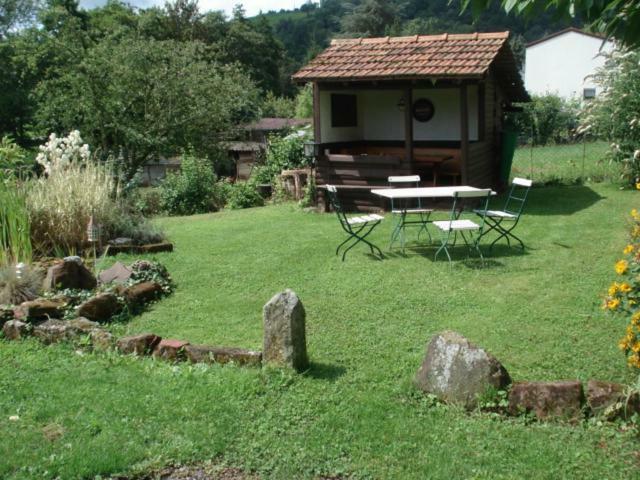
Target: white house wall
(379, 117)
(562, 65)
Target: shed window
(589, 93)
(344, 110)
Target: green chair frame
(455, 225)
(505, 220)
(401, 209)
(357, 228)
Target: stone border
(284, 338)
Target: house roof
(268, 124)
(562, 32)
(446, 56)
(243, 146)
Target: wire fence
(570, 163)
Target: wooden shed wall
(484, 156)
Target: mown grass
(565, 164)
(355, 411)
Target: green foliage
(193, 189)
(15, 239)
(283, 153)
(280, 107)
(148, 201)
(150, 271)
(616, 18)
(15, 287)
(14, 160)
(243, 195)
(615, 113)
(304, 102)
(310, 192)
(548, 119)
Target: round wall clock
(423, 110)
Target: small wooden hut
(428, 105)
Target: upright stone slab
(457, 371)
(285, 341)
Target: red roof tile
(417, 57)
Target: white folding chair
(456, 225)
(510, 214)
(402, 208)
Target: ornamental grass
(15, 240)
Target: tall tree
(14, 13)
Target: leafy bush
(147, 201)
(19, 283)
(14, 161)
(192, 190)
(615, 113)
(244, 195)
(304, 102)
(548, 119)
(15, 239)
(280, 107)
(283, 153)
(146, 271)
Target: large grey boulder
(70, 273)
(456, 371)
(285, 343)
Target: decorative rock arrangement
(100, 308)
(458, 372)
(284, 332)
(284, 318)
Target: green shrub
(15, 239)
(548, 119)
(192, 190)
(283, 153)
(244, 195)
(147, 201)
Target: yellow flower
(613, 303)
(638, 186)
(623, 344)
(625, 287)
(633, 361)
(634, 213)
(635, 348)
(628, 249)
(635, 319)
(621, 267)
(613, 289)
(635, 232)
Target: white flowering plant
(60, 152)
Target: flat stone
(142, 293)
(142, 344)
(118, 274)
(69, 274)
(82, 325)
(52, 331)
(121, 241)
(548, 400)
(157, 247)
(100, 308)
(39, 309)
(15, 330)
(172, 350)
(284, 342)
(610, 400)
(101, 339)
(211, 354)
(457, 371)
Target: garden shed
(429, 105)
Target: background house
(428, 105)
(563, 62)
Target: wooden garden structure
(429, 105)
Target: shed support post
(464, 134)
(408, 129)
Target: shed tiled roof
(458, 56)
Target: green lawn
(355, 412)
(565, 164)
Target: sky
(252, 7)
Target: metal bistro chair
(358, 228)
(401, 208)
(510, 214)
(455, 225)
